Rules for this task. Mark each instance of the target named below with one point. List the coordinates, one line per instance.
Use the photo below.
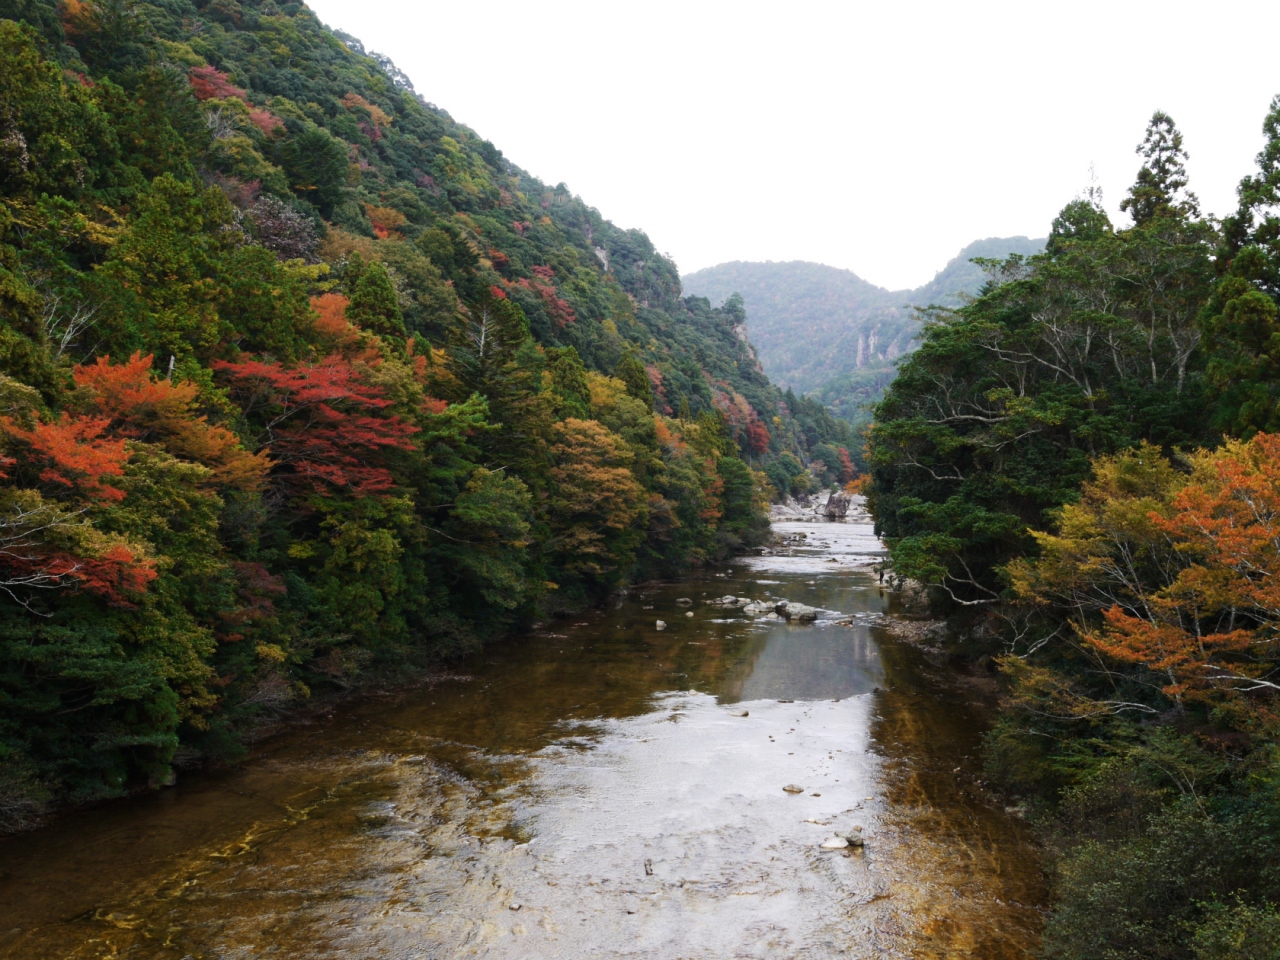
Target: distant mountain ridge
(825, 331)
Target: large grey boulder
(837, 507)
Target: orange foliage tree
(144, 407)
(61, 472)
(1175, 575)
(597, 507)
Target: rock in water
(796, 611)
(662, 624)
(685, 602)
(792, 788)
(739, 713)
(834, 843)
(689, 614)
(837, 506)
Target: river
(599, 789)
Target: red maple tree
(323, 425)
(210, 83)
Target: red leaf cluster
(325, 427)
(561, 313)
(265, 120)
(847, 472)
(757, 437)
(210, 83)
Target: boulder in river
(685, 602)
(796, 611)
(837, 506)
(792, 788)
(835, 843)
(661, 624)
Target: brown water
(588, 792)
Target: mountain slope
(300, 377)
(825, 331)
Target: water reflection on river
(591, 792)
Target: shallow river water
(592, 791)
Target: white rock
(662, 624)
(834, 843)
(689, 614)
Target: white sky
(881, 137)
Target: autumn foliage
(210, 83)
(1214, 630)
(1175, 575)
(71, 452)
(142, 406)
(322, 423)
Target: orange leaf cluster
(331, 320)
(380, 117)
(141, 407)
(386, 220)
(1216, 627)
(73, 453)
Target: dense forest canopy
(300, 377)
(833, 336)
(1082, 465)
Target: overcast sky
(881, 137)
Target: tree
(569, 381)
(141, 406)
(1161, 187)
(374, 305)
(1070, 355)
(316, 164)
(632, 372)
(322, 424)
(596, 506)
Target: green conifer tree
(1161, 187)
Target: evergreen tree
(1161, 187)
(632, 372)
(374, 304)
(569, 381)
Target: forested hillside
(1083, 465)
(301, 378)
(829, 334)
